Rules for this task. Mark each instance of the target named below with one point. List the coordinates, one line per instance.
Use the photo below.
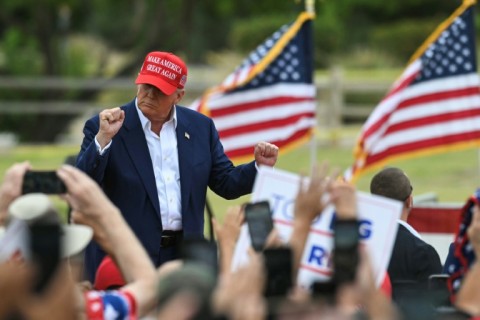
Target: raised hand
(310, 201)
(227, 236)
(228, 232)
(87, 200)
(266, 154)
(343, 196)
(309, 204)
(111, 121)
(11, 187)
(244, 287)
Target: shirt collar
(146, 123)
(410, 228)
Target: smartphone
(279, 269)
(45, 248)
(325, 290)
(438, 290)
(345, 254)
(200, 250)
(259, 220)
(43, 182)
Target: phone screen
(438, 281)
(46, 252)
(279, 268)
(345, 256)
(260, 223)
(42, 182)
(325, 290)
(438, 290)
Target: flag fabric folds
(269, 97)
(463, 254)
(433, 107)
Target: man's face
(154, 104)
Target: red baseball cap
(163, 70)
(108, 275)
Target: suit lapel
(185, 158)
(136, 145)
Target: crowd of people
(133, 246)
(190, 289)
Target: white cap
(37, 206)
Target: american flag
(269, 97)
(435, 104)
(110, 305)
(464, 255)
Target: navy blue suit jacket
(125, 173)
(412, 262)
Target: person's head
(193, 281)
(394, 184)
(36, 209)
(108, 275)
(160, 84)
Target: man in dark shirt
(413, 260)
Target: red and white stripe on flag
(269, 97)
(280, 114)
(435, 104)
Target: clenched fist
(111, 121)
(266, 154)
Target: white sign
(377, 218)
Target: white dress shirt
(164, 156)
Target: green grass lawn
(452, 176)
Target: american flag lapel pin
(187, 135)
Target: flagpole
(310, 8)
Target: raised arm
(91, 207)
(227, 236)
(98, 134)
(309, 204)
(362, 290)
(11, 187)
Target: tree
(54, 38)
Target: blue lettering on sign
(364, 227)
(283, 205)
(319, 256)
(275, 202)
